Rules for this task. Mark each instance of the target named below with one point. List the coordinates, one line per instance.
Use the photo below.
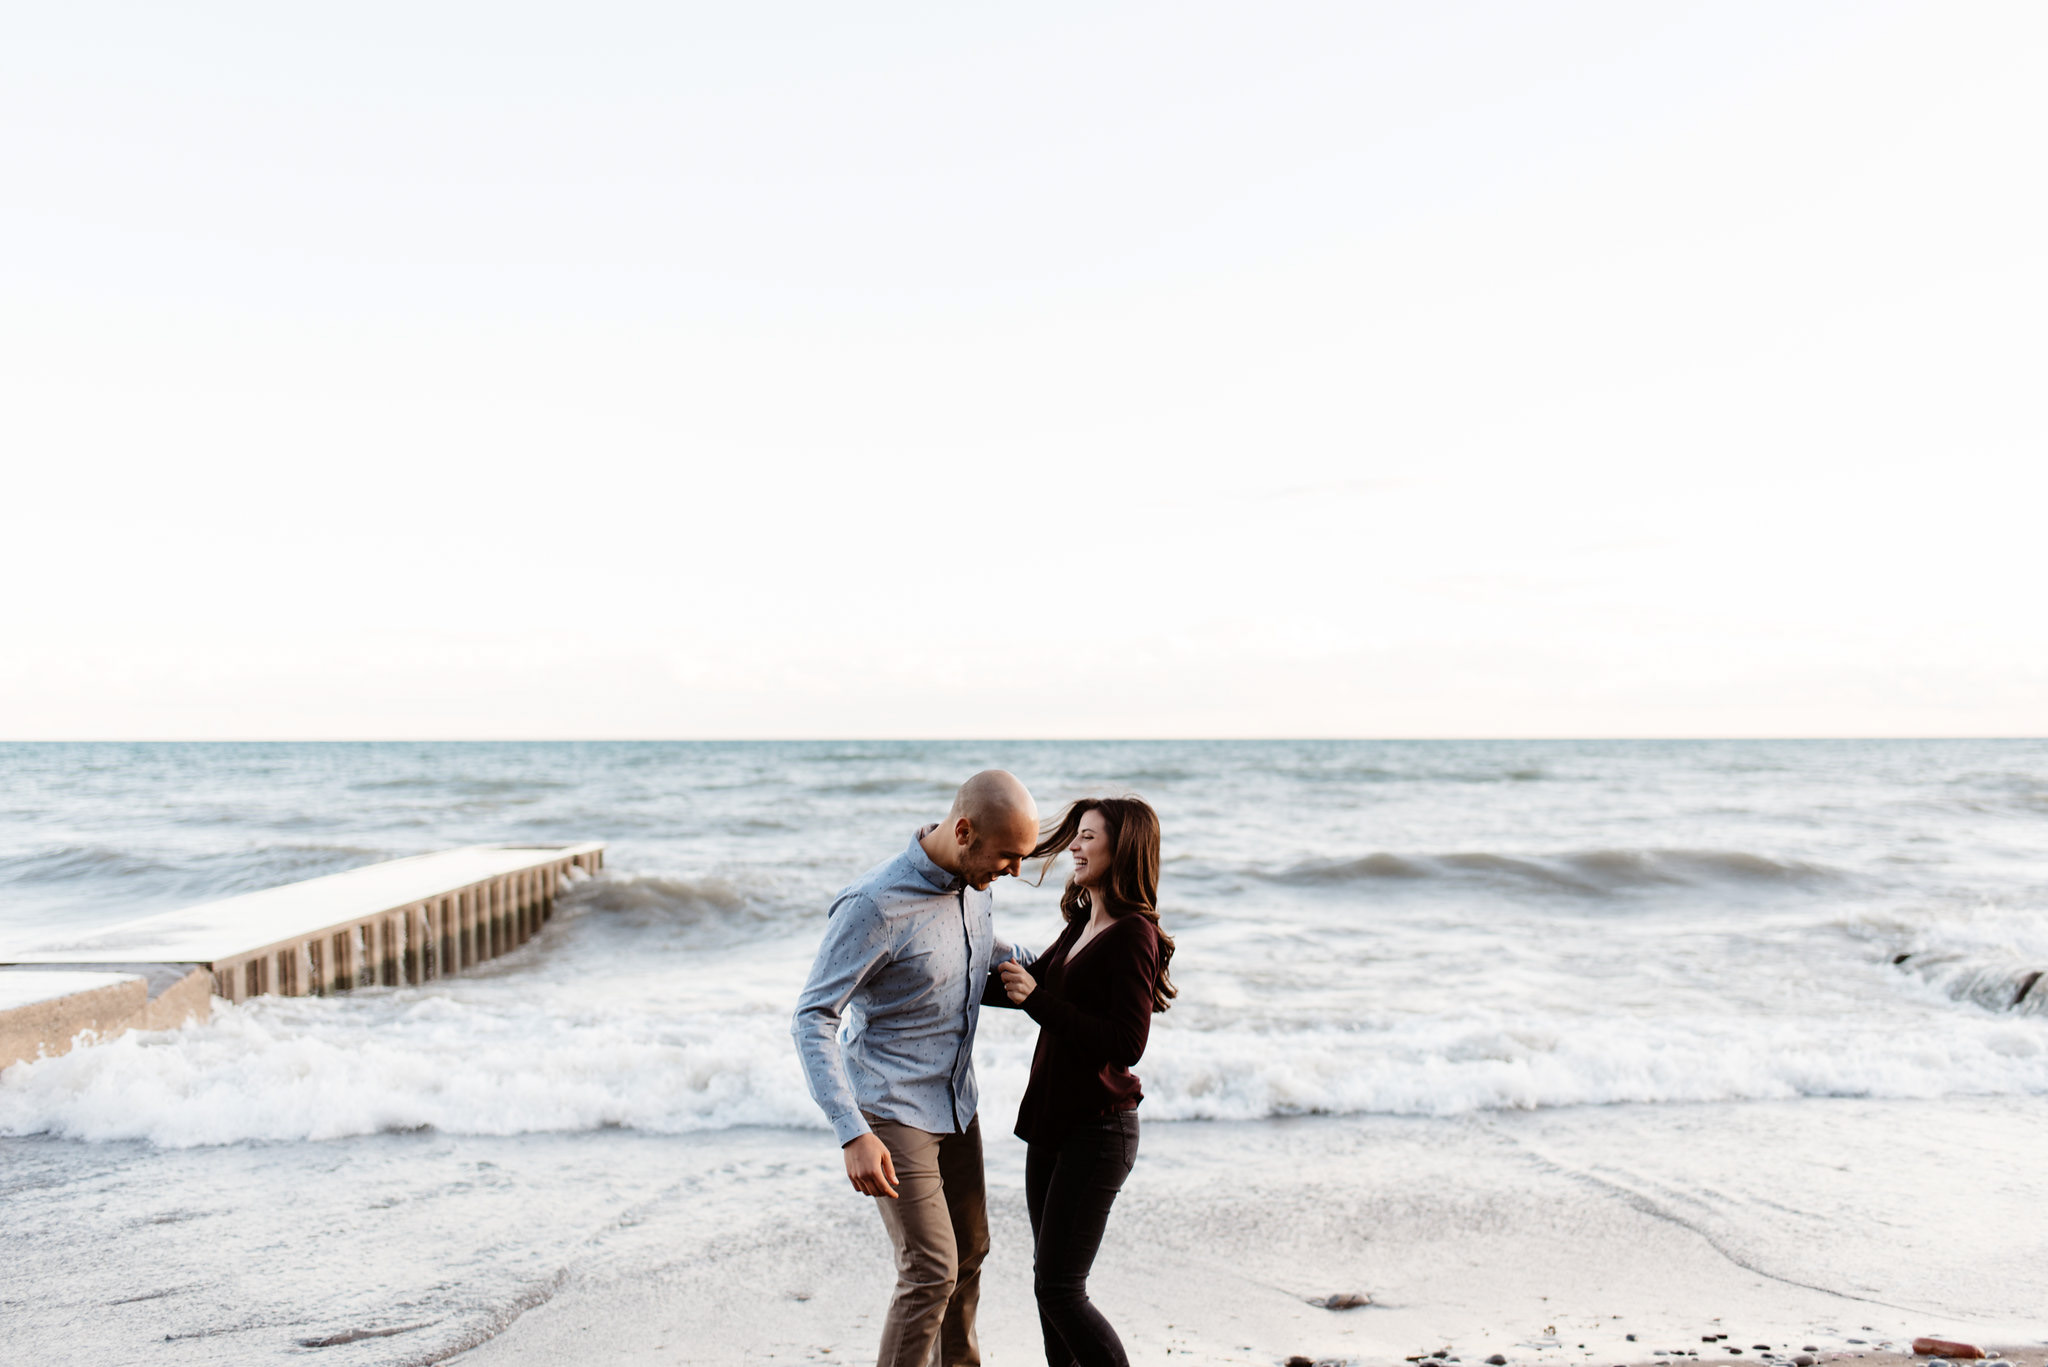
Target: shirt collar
(921, 863)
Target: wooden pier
(46, 1011)
(405, 921)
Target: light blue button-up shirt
(906, 955)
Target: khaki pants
(939, 1226)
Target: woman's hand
(1017, 983)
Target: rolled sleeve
(856, 945)
(1003, 952)
(992, 993)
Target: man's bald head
(992, 796)
(991, 827)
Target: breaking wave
(1585, 873)
(314, 1069)
(647, 1054)
(704, 913)
(1461, 1067)
(1995, 958)
(650, 897)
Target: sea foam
(324, 1069)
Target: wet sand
(1597, 1236)
(1546, 1237)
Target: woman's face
(1090, 849)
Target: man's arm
(856, 945)
(992, 993)
(1005, 952)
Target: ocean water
(1412, 929)
(1407, 928)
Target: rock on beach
(1340, 1300)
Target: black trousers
(1069, 1188)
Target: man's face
(999, 850)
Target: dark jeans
(1069, 1188)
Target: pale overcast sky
(421, 370)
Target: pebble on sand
(1497, 1361)
(1947, 1348)
(1343, 1300)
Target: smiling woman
(1113, 844)
(1092, 994)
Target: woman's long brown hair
(1132, 885)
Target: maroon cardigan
(1094, 1015)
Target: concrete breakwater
(405, 921)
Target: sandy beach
(1593, 1236)
(1546, 1239)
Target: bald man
(907, 954)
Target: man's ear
(963, 832)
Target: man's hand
(869, 1167)
(1017, 982)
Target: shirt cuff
(850, 1127)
